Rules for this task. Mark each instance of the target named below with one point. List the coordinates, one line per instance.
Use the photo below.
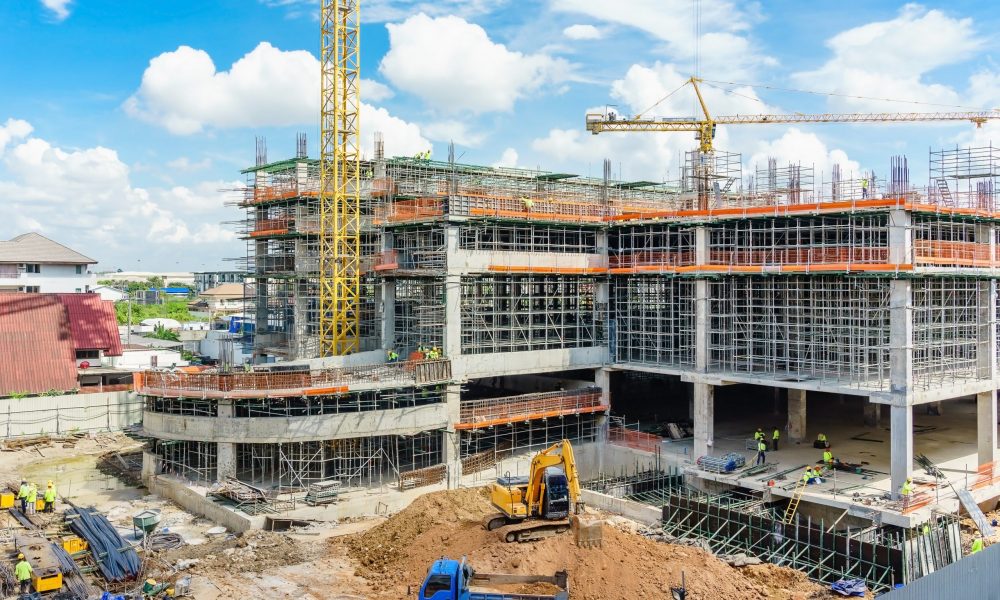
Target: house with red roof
(57, 343)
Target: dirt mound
(254, 552)
(380, 550)
(395, 555)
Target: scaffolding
(419, 318)
(526, 435)
(532, 237)
(965, 177)
(950, 316)
(653, 321)
(362, 461)
(802, 328)
(516, 313)
(487, 412)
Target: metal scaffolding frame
(516, 313)
(492, 236)
(530, 434)
(653, 320)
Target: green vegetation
(177, 310)
(162, 333)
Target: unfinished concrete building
(556, 301)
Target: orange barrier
(637, 440)
(386, 260)
(941, 252)
(477, 414)
(545, 270)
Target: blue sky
(124, 124)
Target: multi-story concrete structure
(204, 280)
(542, 290)
(32, 262)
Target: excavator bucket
(589, 533)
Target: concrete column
(389, 318)
(451, 444)
(701, 325)
(796, 415)
(986, 334)
(225, 452)
(602, 379)
(901, 446)
(900, 237)
(704, 419)
(986, 426)
(873, 414)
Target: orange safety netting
(637, 440)
(497, 411)
(941, 252)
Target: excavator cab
(555, 501)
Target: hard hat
(151, 581)
(19, 555)
(50, 482)
(49, 485)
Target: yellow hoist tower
(340, 201)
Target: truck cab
(447, 580)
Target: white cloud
(582, 32)
(806, 149)
(375, 91)
(59, 8)
(13, 129)
(186, 165)
(85, 199)
(453, 131)
(724, 49)
(454, 66)
(890, 59)
(183, 92)
(507, 159)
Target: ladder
(942, 185)
(793, 504)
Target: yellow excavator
(538, 506)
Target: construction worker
(977, 545)
(435, 353)
(906, 491)
(807, 476)
(528, 203)
(774, 438)
(828, 458)
(817, 475)
(49, 497)
(393, 357)
(22, 495)
(32, 498)
(864, 187)
(758, 435)
(821, 441)
(150, 589)
(761, 452)
(22, 572)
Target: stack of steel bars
(74, 586)
(115, 557)
(726, 464)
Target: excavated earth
(394, 556)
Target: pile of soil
(252, 552)
(395, 556)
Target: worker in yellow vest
(774, 439)
(761, 452)
(977, 545)
(828, 458)
(22, 495)
(22, 572)
(906, 491)
(49, 497)
(528, 203)
(32, 498)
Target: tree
(156, 281)
(162, 333)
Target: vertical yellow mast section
(340, 203)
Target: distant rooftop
(36, 248)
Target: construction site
(750, 381)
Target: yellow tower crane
(704, 128)
(340, 201)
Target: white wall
(54, 279)
(106, 411)
(143, 359)
(211, 346)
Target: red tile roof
(93, 323)
(36, 344)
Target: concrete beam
(271, 430)
(986, 426)
(796, 415)
(704, 419)
(475, 366)
(900, 446)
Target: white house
(33, 263)
(110, 293)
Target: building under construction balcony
(504, 309)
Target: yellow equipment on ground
(538, 505)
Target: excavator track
(526, 530)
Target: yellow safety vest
(32, 494)
(907, 489)
(977, 545)
(827, 457)
(23, 492)
(776, 434)
(50, 494)
(761, 446)
(22, 571)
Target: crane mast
(339, 199)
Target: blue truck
(453, 580)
